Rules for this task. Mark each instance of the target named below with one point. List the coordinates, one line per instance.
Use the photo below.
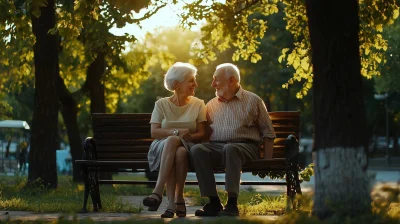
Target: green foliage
(307, 172)
(231, 25)
(84, 30)
(264, 205)
(304, 174)
(5, 110)
(250, 203)
(225, 28)
(16, 41)
(389, 80)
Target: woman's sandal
(169, 213)
(179, 213)
(152, 203)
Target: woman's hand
(185, 135)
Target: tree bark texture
(95, 73)
(96, 87)
(341, 183)
(44, 132)
(339, 119)
(69, 111)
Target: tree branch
(148, 14)
(247, 4)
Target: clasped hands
(185, 134)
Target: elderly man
(239, 122)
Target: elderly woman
(176, 122)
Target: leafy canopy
(233, 25)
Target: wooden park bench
(121, 141)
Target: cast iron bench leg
(292, 169)
(90, 176)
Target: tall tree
(46, 104)
(339, 119)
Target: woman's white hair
(178, 73)
(229, 70)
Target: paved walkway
(102, 216)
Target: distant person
(22, 157)
(176, 122)
(239, 123)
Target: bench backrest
(126, 137)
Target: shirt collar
(239, 95)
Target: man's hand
(185, 134)
(268, 148)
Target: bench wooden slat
(148, 115)
(131, 128)
(286, 122)
(279, 141)
(284, 114)
(189, 182)
(121, 135)
(145, 148)
(132, 142)
(254, 163)
(122, 115)
(287, 128)
(123, 148)
(134, 127)
(131, 135)
(115, 123)
(132, 155)
(121, 129)
(126, 156)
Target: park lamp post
(385, 97)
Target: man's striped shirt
(244, 118)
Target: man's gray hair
(178, 73)
(229, 70)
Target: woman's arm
(157, 132)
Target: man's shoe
(229, 210)
(209, 210)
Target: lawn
(68, 198)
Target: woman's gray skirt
(156, 149)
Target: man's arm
(268, 147)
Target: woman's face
(188, 85)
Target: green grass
(67, 198)
(250, 202)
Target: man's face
(221, 84)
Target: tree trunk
(96, 72)
(339, 119)
(96, 87)
(44, 132)
(69, 111)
